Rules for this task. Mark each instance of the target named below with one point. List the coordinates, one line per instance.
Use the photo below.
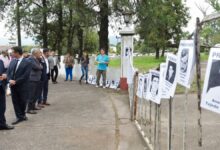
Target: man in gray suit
(54, 65)
(34, 80)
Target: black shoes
(19, 120)
(31, 112)
(6, 127)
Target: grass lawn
(143, 63)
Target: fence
(174, 123)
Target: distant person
(45, 76)
(5, 58)
(102, 60)
(54, 65)
(18, 77)
(154, 85)
(171, 72)
(84, 67)
(69, 64)
(3, 78)
(184, 60)
(34, 80)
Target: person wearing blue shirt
(102, 61)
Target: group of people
(28, 78)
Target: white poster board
(164, 93)
(140, 86)
(130, 71)
(154, 93)
(185, 63)
(211, 90)
(170, 76)
(146, 86)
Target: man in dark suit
(18, 77)
(3, 125)
(45, 76)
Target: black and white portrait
(211, 89)
(185, 63)
(214, 78)
(154, 85)
(171, 72)
(184, 60)
(140, 86)
(128, 51)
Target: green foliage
(160, 22)
(91, 41)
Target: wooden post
(135, 96)
(170, 124)
(185, 119)
(155, 127)
(150, 111)
(159, 127)
(198, 75)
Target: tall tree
(104, 23)
(161, 22)
(18, 23)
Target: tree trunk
(60, 28)
(157, 53)
(44, 28)
(103, 32)
(80, 39)
(70, 32)
(18, 23)
(163, 52)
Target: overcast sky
(194, 12)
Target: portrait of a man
(214, 78)
(171, 72)
(145, 85)
(154, 85)
(184, 60)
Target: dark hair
(17, 49)
(45, 50)
(102, 49)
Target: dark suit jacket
(21, 75)
(2, 70)
(36, 70)
(44, 75)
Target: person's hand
(3, 77)
(12, 82)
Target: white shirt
(47, 64)
(54, 60)
(5, 60)
(19, 61)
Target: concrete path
(81, 117)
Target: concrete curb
(146, 140)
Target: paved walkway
(81, 117)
